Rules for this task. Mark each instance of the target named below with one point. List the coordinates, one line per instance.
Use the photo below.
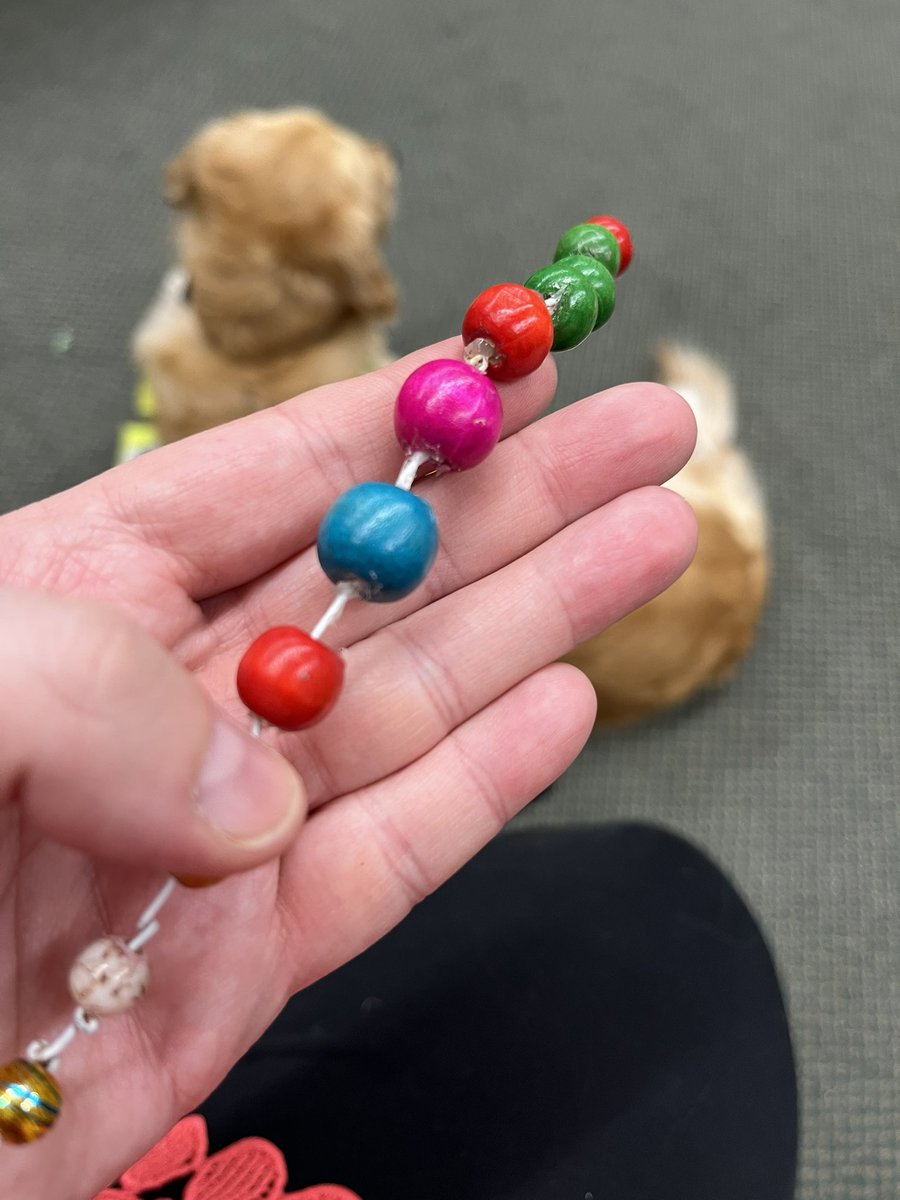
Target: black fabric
(588, 1014)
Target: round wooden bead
(575, 312)
(516, 321)
(107, 978)
(622, 236)
(600, 280)
(595, 241)
(380, 538)
(30, 1101)
(289, 679)
(449, 411)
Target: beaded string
(82, 1021)
(376, 543)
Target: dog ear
(179, 185)
(364, 281)
(369, 289)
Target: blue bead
(379, 537)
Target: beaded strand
(376, 543)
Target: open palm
(450, 720)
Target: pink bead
(450, 411)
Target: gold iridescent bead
(29, 1102)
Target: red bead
(622, 236)
(288, 678)
(516, 320)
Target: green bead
(595, 241)
(576, 304)
(600, 280)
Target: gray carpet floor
(753, 150)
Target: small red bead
(516, 320)
(622, 236)
(288, 678)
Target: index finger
(230, 504)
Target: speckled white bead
(106, 977)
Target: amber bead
(198, 881)
(30, 1101)
(596, 241)
(572, 302)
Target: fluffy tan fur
(281, 284)
(695, 634)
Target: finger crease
(319, 442)
(320, 781)
(439, 687)
(544, 474)
(407, 867)
(486, 788)
(557, 600)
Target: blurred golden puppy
(281, 283)
(695, 634)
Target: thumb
(110, 746)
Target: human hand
(127, 603)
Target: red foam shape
(179, 1153)
(252, 1169)
(323, 1191)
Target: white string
(480, 353)
(84, 1022)
(48, 1052)
(152, 910)
(343, 593)
(410, 469)
(256, 725)
(141, 939)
